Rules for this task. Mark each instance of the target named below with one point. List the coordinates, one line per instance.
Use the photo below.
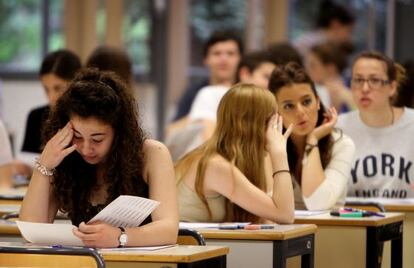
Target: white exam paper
(126, 211)
(48, 233)
(299, 213)
(103, 250)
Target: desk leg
(376, 236)
(304, 246)
(219, 262)
(396, 252)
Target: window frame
(11, 74)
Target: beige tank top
(192, 209)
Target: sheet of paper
(126, 211)
(299, 213)
(48, 233)
(103, 250)
(384, 201)
(211, 225)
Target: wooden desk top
(181, 254)
(280, 232)
(326, 219)
(9, 228)
(6, 209)
(12, 196)
(174, 254)
(399, 207)
(390, 204)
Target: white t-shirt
(206, 103)
(383, 165)
(323, 95)
(332, 191)
(5, 148)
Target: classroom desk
(178, 256)
(10, 208)
(267, 247)
(405, 206)
(23, 255)
(181, 256)
(12, 196)
(339, 239)
(6, 199)
(9, 232)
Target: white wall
(19, 97)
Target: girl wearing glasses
(319, 156)
(381, 131)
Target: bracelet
(310, 145)
(308, 149)
(42, 169)
(280, 171)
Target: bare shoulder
(219, 165)
(157, 159)
(152, 147)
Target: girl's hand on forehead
(58, 147)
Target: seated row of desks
(358, 239)
(356, 242)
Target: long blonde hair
(239, 137)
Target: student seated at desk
(254, 68)
(382, 132)
(319, 157)
(56, 71)
(95, 152)
(227, 177)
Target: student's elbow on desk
(287, 218)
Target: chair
(190, 237)
(37, 256)
(366, 205)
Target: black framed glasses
(374, 83)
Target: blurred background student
(254, 68)
(382, 132)
(221, 55)
(56, 71)
(325, 64)
(108, 58)
(334, 23)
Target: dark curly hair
(101, 95)
(287, 75)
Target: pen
(365, 212)
(259, 226)
(230, 226)
(356, 214)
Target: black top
(186, 100)
(91, 211)
(33, 136)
